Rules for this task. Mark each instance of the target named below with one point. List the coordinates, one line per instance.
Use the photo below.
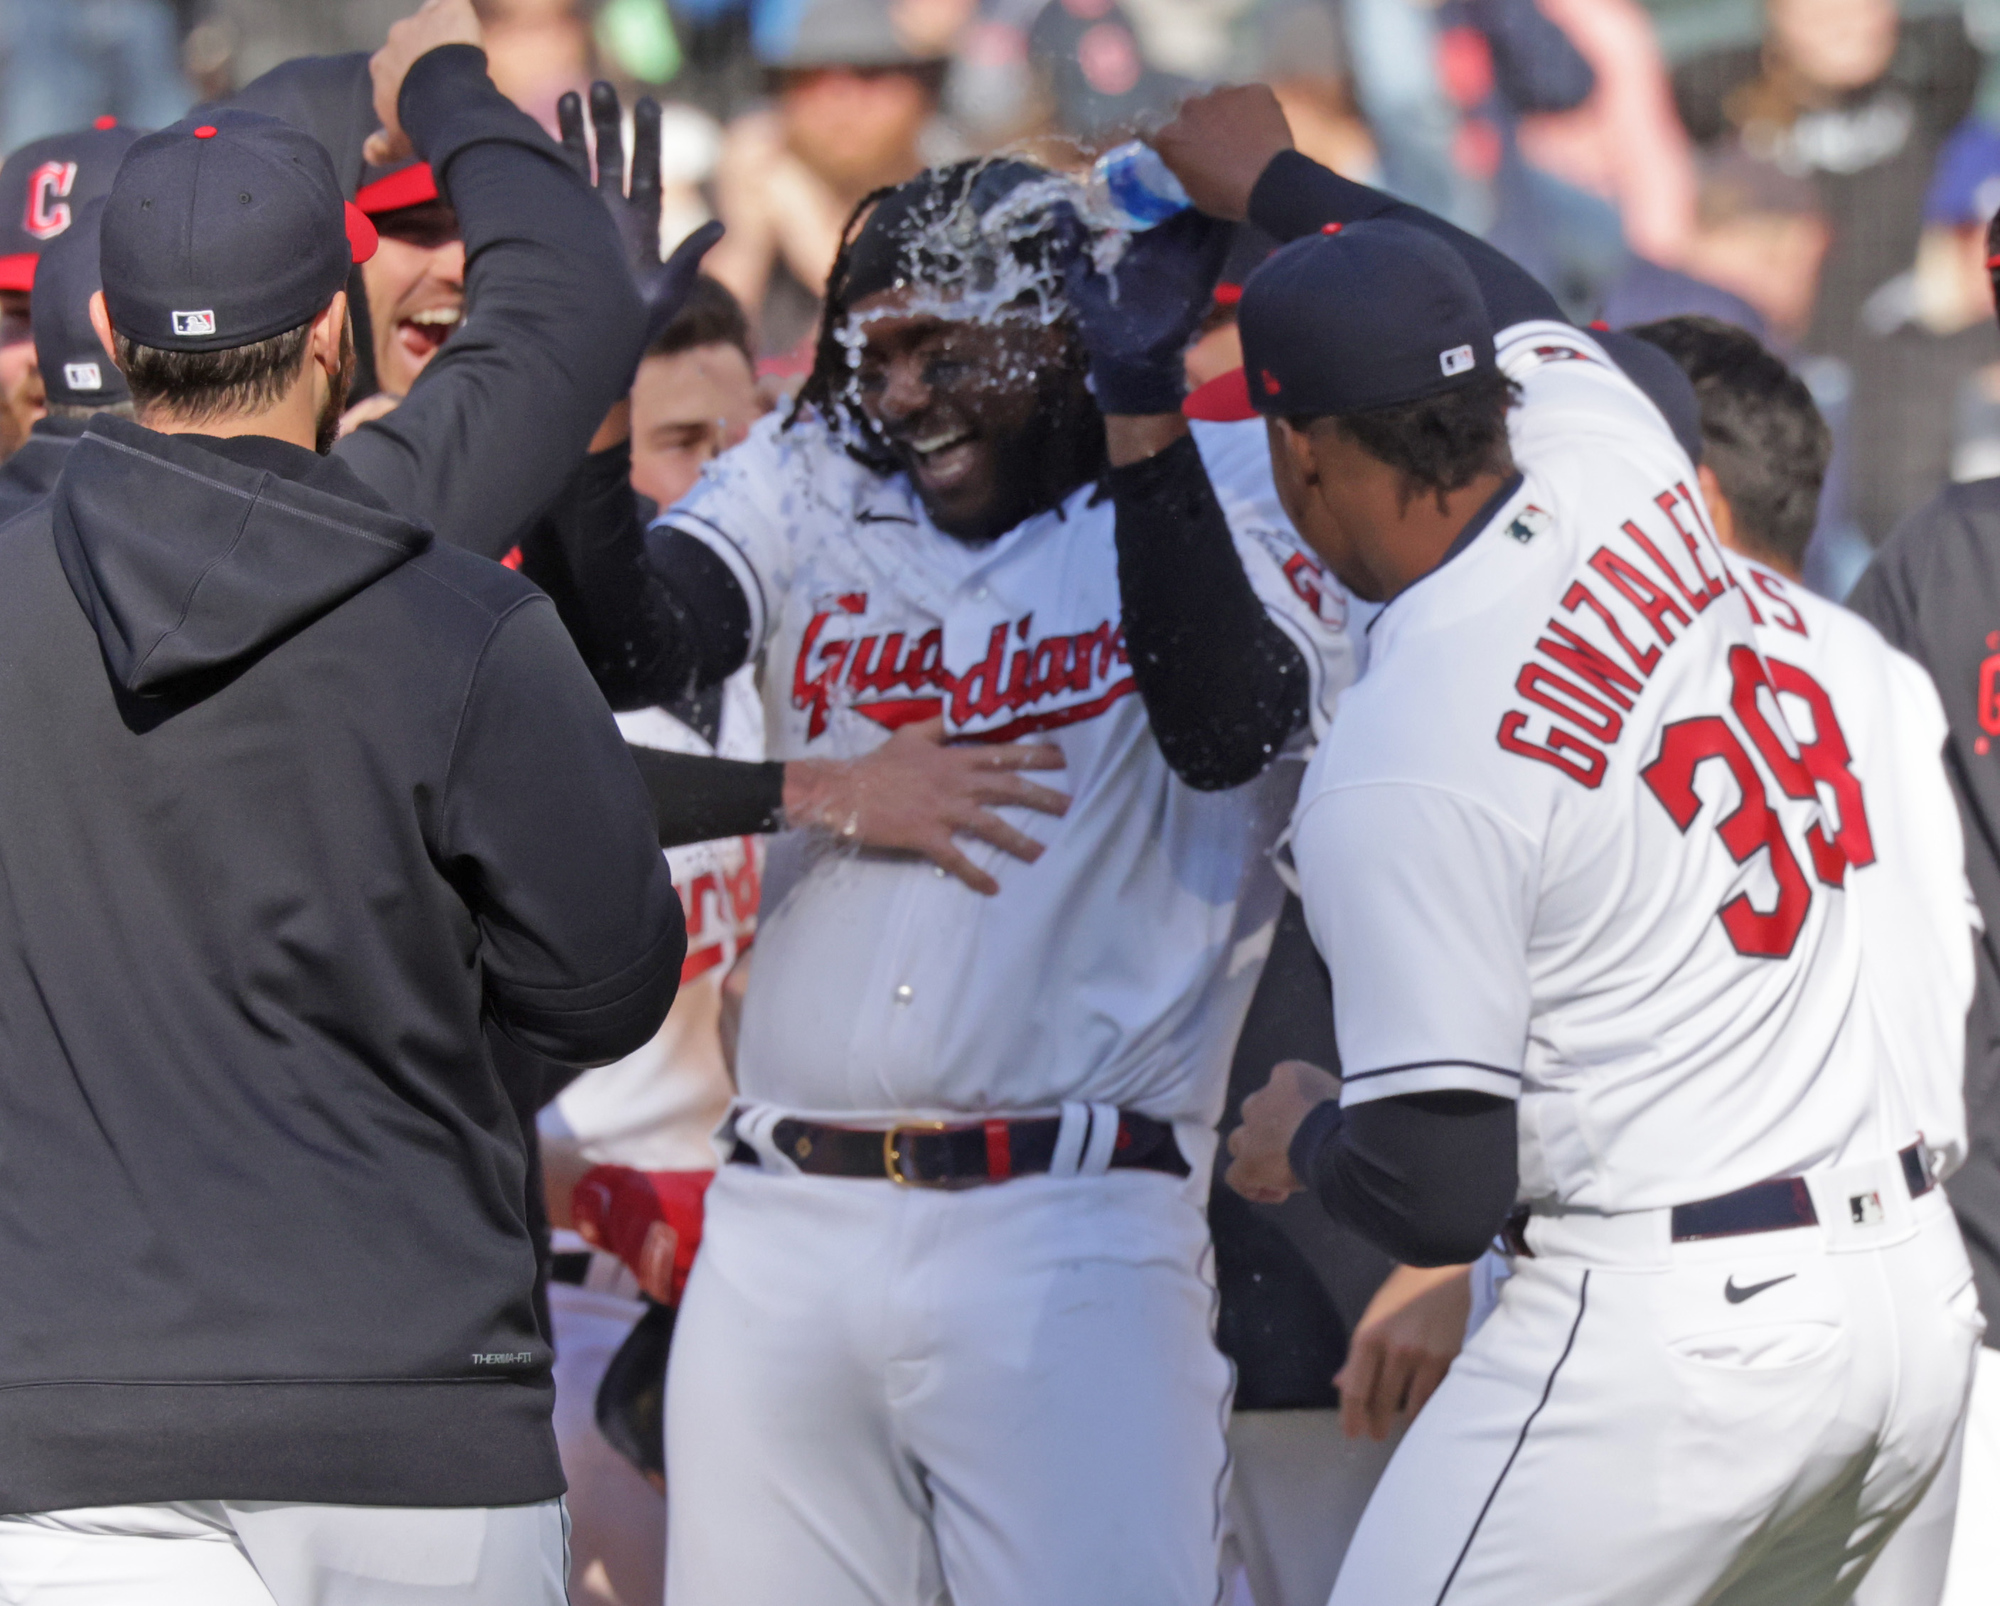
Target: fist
(1220, 143)
(651, 1220)
(434, 24)
(1260, 1149)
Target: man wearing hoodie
(299, 803)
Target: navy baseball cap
(220, 233)
(75, 370)
(45, 183)
(1367, 315)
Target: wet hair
(710, 316)
(198, 385)
(923, 232)
(1440, 443)
(1761, 435)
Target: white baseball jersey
(1871, 731)
(1559, 845)
(1117, 967)
(657, 1108)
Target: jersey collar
(1475, 526)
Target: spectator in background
(62, 61)
(852, 107)
(695, 394)
(1842, 91)
(536, 51)
(1625, 143)
(1752, 258)
(1926, 364)
(1499, 60)
(1094, 77)
(1304, 60)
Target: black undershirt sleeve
(1224, 687)
(655, 613)
(1428, 1177)
(697, 799)
(1295, 196)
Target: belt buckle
(892, 1159)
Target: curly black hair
(1440, 443)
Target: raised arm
(501, 417)
(1224, 687)
(1232, 149)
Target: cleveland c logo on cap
(194, 323)
(48, 213)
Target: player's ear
(1297, 445)
(100, 320)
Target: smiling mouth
(421, 333)
(941, 461)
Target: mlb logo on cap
(83, 376)
(1455, 361)
(194, 323)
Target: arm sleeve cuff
(698, 799)
(1322, 1123)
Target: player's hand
(366, 411)
(916, 793)
(1411, 1332)
(634, 207)
(434, 24)
(1261, 1148)
(1219, 144)
(1136, 321)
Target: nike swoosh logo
(1736, 1295)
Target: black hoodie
(295, 802)
(30, 474)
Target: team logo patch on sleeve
(194, 323)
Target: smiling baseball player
(1586, 919)
(950, 1326)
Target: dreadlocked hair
(824, 391)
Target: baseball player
(1877, 763)
(949, 1327)
(43, 187)
(1587, 925)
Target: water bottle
(1130, 188)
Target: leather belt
(947, 1154)
(1775, 1206)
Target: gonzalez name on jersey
(1544, 946)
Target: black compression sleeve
(656, 614)
(696, 799)
(1295, 196)
(1224, 687)
(1428, 1177)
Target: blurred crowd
(1819, 173)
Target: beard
(327, 428)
